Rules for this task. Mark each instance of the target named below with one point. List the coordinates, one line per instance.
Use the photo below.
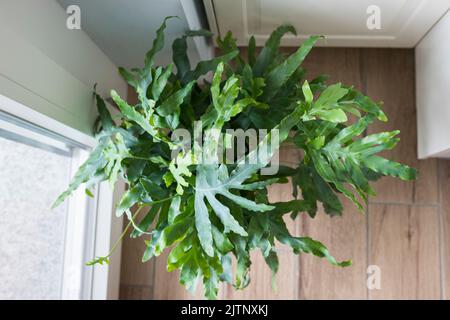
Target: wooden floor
(405, 230)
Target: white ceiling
(125, 29)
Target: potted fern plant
(207, 212)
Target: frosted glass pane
(31, 235)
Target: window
(42, 251)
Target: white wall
(433, 91)
(50, 68)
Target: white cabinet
(402, 23)
(433, 91)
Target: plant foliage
(205, 214)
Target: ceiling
(124, 30)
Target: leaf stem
(118, 241)
(136, 227)
(159, 201)
(140, 158)
(124, 232)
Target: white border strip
(192, 14)
(210, 14)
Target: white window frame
(99, 282)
